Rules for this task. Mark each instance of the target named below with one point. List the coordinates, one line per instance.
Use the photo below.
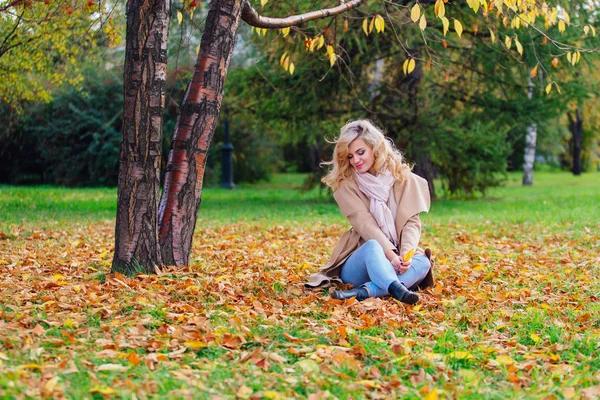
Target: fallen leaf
(112, 367)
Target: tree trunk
(194, 130)
(576, 128)
(420, 143)
(425, 169)
(136, 236)
(530, 145)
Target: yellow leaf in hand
(408, 255)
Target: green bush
(75, 139)
(470, 153)
(72, 141)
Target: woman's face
(361, 157)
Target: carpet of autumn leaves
(514, 314)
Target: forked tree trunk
(576, 128)
(530, 145)
(136, 236)
(194, 130)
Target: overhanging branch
(251, 17)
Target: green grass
(554, 198)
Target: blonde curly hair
(386, 156)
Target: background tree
(42, 44)
(464, 74)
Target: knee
(421, 262)
(372, 247)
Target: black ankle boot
(401, 293)
(360, 293)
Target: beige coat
(412, 196)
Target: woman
(382, 199)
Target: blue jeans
(369, 267)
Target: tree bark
(530, 145)
(136, 236)
(198, 118)
(576, 128)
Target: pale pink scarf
(383, 207)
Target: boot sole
(411, 298)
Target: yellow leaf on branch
(321, 42)
(313, 44)
(458, 27)
(415, 13)
(445, 24)
(365, 27)
(330, 53)
(179, 17)
(492, 36)
(408, 66)
(285, 31)
(422, 22)
(332, 59)
(379, 23)
(474, 4)
(286, 63)
(518, 45)
(329, 50)
(439, 9)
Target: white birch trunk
(530, 145)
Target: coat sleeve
(359, 216)
(411, 233)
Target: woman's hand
(400, 266)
